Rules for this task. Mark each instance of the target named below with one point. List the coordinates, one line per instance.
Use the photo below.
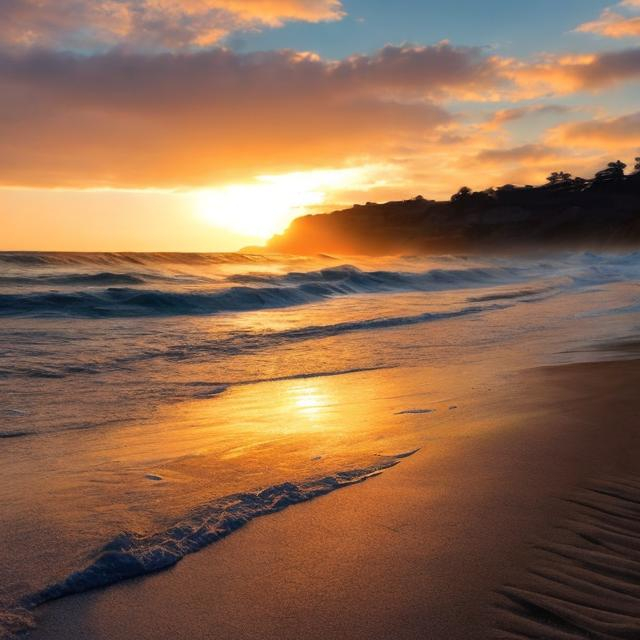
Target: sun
(257, 210)
(267, 205)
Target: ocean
(151, 404)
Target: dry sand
(426, 549)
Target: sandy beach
(430, 548)
(319, 320)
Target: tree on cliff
(463, 194)
(469, 198)
(614, 171)
(558, 177)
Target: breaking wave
(58, 259)
(86, 279)
(259, 291)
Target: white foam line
(132, 554)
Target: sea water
(153, 403)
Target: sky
(208, 125)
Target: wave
(206, 389)
(326, 331)
(271, 292)
(311, 374)
(16, 434)
(40, 259)
(509, 295)
(104, 278)
(35, 372)
(241, 343)
(133, 554)
(116, 302)
(349, 279)
(68, 427)
(88, 279)
(251, 342)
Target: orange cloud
(614, 24)
(566, 74)
(528, 153)
(197, 118)
(503, 116)
(148, 23)
(175, 120)
(275, 12)
(528, 163)
(619, 133)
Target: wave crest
(40, 259)
(267, 292)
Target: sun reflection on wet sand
(308, 400)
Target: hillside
(603, 212)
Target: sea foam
(132, 554)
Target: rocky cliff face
(596, 214)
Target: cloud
(194, 118)
(528, 153)
(504, 116)
(274, 12)
(147, 24)
(174, 120)
(619, 133)
(434, 71)
(566, 74)
(615, 22)
(528, 163)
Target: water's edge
(130, 554)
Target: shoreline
(421, 549)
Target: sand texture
(519, 520)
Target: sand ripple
(587, 585)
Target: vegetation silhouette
(567, 212)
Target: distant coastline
(568, 212)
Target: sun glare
(267, 206)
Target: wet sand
(424, 550)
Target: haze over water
(138, 390)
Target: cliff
(574, 213)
